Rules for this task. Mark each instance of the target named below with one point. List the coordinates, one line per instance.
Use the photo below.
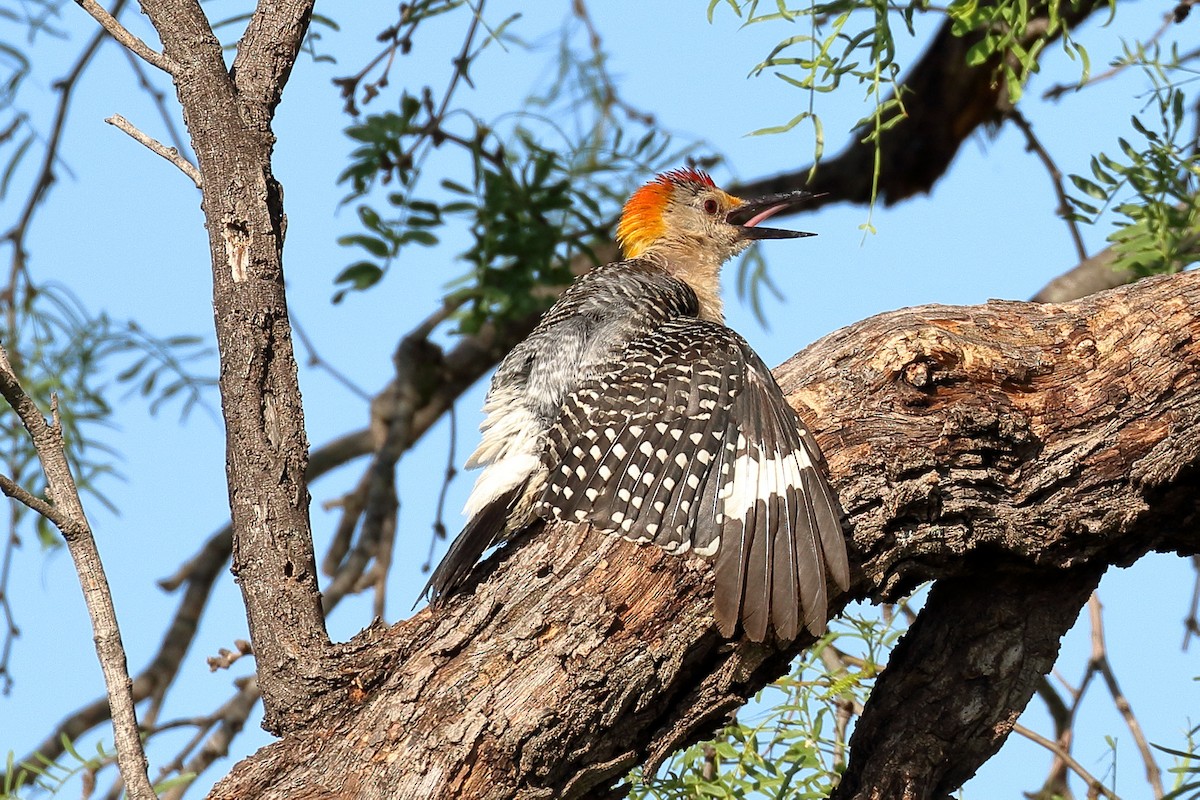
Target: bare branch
(267, 53)
(135, 45)
(1092, 275)
(69, 517)
(159, 98)
(1124, 708)
(1191, 624)
(1095, 787)
(1034, 145)
(231, 718)
(36, 504)
(229, 114)
(45, 178)
(169, 153)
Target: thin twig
(159, 98)
(314, 360)
(1093, 784)
(131, 42)
(1058, 90)
(1064, 732)
(1034, 145)
(1191, 625)
(232, 718)
(10, 631)
(45, 175)
(1102, 664)
(439, 523)
(847, 706)
(30, 501)
(169, 153)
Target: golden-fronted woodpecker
(632, 408)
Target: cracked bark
(1010, 451)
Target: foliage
(528, 208)
(67, 356)
(1186, 769)
(856, 40)
(1003, 36)
(792, 744)
(1152, 186)
(818, 60)
(51, 777)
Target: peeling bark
(1010, 451)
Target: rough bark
(228, 115)
(1010, 451)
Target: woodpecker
(633, 408)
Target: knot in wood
(919, 374)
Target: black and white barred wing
(690, 445)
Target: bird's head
(683, 214)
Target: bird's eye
(711, 206)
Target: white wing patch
(757, 474)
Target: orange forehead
(642, 218)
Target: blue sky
(124, 231)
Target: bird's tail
(484, 529)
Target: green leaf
(360, 275)
(1088, 187)
(375, 246)
(418, 236)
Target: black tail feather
(485, 529)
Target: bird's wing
(690, 445)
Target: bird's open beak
(749, 214)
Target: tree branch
(158, 148)
(1010, 445)
(197, 575)
(984, 640)
(132, 43)
(228, 114)
(1101, 664)
(1091, 275)
(1095, 787)
(68, 516)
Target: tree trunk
(1010, 452)
(228, 115)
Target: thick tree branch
(1013, 445)
(959, 678)
(266, 55)
(1091, 275)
